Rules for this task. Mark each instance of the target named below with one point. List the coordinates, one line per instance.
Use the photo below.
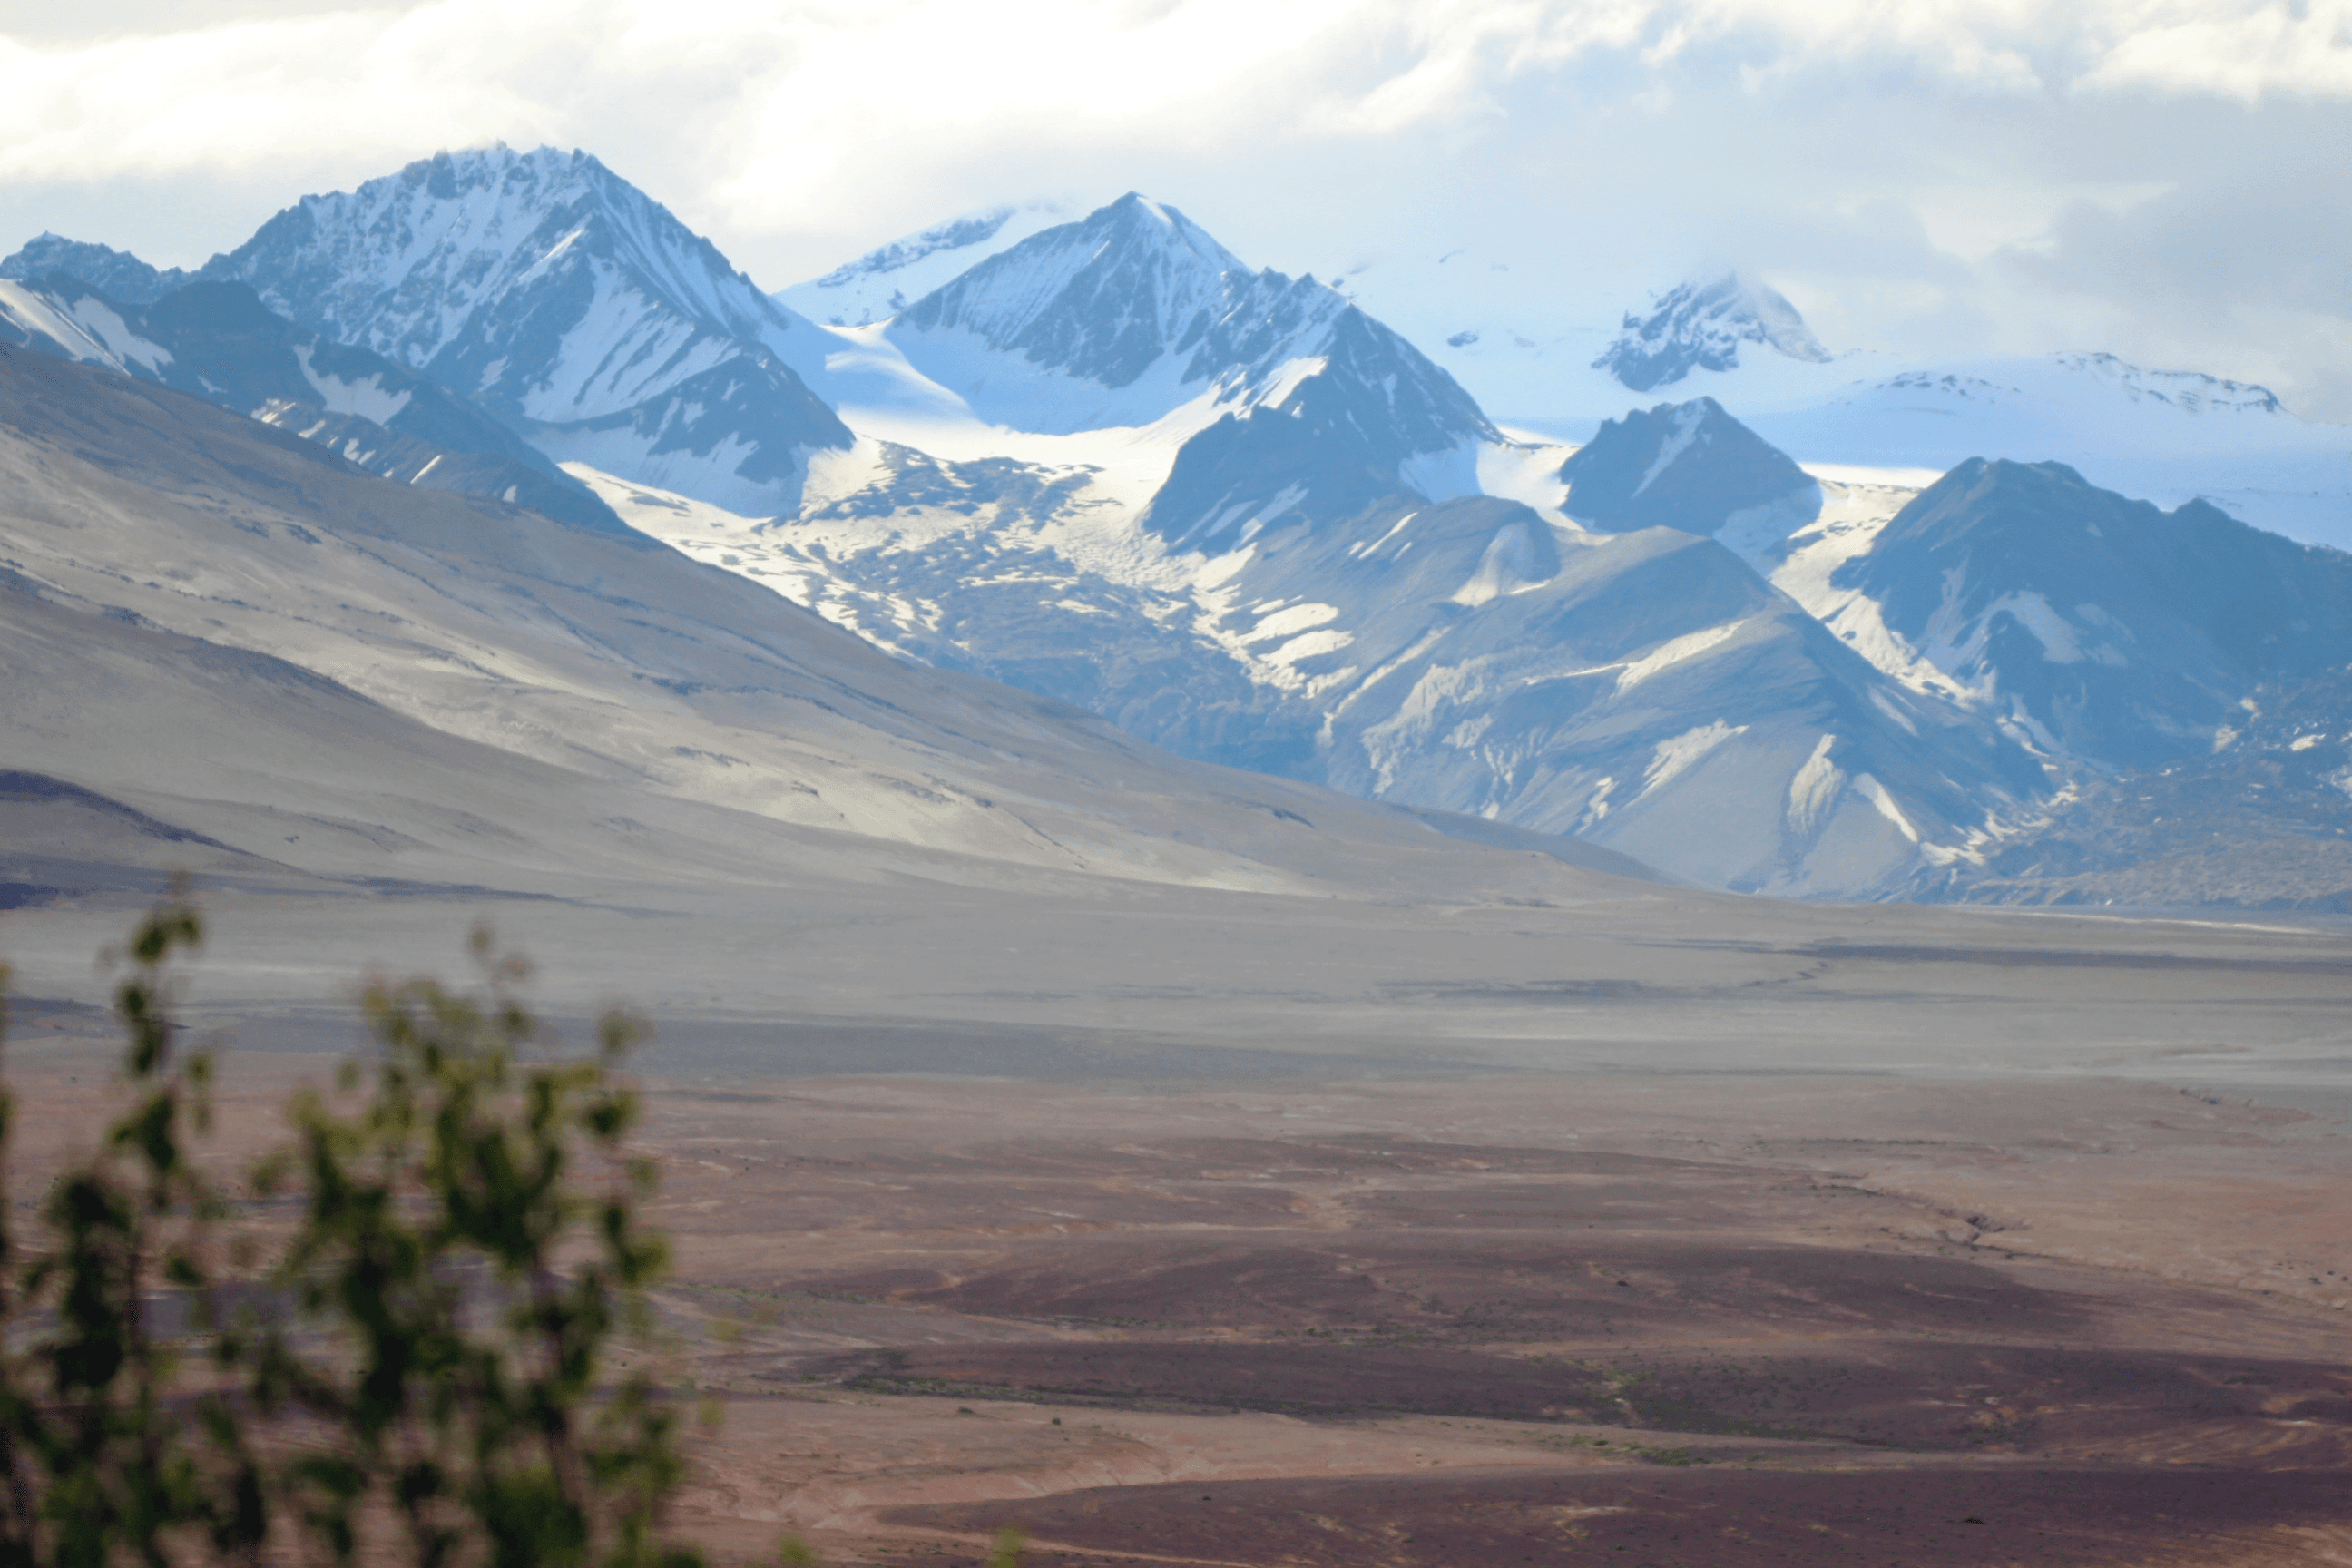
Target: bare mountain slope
(454, 654)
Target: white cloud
(1921, 174)
(810, 84)
(2244, 52)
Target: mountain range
(230, 648)
(1104, 461)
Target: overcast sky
(2168, 180)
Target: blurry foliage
(425, 1375)
(109, 1458)
(475, 1276)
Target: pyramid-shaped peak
(479, 184)
(1690, 466)
(2006, 481)
(1136, 215)
(1701, 326)
(1101, 299)
(433, 264)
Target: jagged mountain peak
(559, 296)
(117, 274)
(435, 266)
(1101, 299)
(1134, 311)
(1137, 215)
(1696, 326)
(451, 171)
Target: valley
(1179, 1227)
(1265, 942)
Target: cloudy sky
(2167, 179)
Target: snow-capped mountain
(1263, 396)
(117, 274)
(1370, 418)
(563, 299)
(1101, 300)
(889, 278)
(1135, 311)
(2099, 628)
(218, 342)
(1496, 322)
(1702, 327)
(1541, 358)
(1690, 466)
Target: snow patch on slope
(884, 281)
(1677, 756)
(1814, 787)
(1666, 655)
(367, 399)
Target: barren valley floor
(2060, 1276)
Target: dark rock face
(1690, 466)
(1246, 471)
(117, 274)
(2113, 631)
(1695, 327)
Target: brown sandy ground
(1511, 1319)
